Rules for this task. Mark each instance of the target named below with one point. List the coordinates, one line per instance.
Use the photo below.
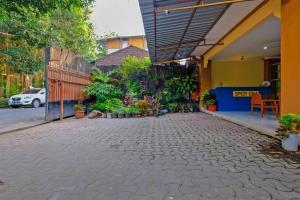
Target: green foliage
(51, 23)
(99, 76)
(78, 107)
(206, 97)
(186, 86)
(176, 89)
(102, 91)
(211, 102)
(172, 106)
(3, 102)
(286, 121)
(132, 65)
(24, 59)
(106, 106)
(44, 6)
(133, 109)
(133, 88)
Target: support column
(205, 75)
(290, 52)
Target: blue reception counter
(241, 102)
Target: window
(124, 43)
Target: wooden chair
(258, 102)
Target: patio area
(173, 157)
(267, 125)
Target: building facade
(239, 46)
(116, 43)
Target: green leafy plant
(172, 106)
(107, 106)
(101, 77)
(207, 96)
(132, 65)
(134, 109)
(78, 107)
(186, 86)
(133, 88)
(102, 91)
(286, 121)
(211, 102)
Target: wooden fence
(66, 78)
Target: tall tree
(36, 24)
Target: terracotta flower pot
(79, 114)
(212, 108)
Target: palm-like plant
(100, 77)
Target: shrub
(172, 106)
(102, 91)
(106, 106)
(206, 96)
(211, 102)
(134, 109)
(78, 107)
(143, 105)
(286, 121)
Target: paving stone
(176, 156)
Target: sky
(120, 16)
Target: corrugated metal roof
(175, 35)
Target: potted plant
(289, 131)
(128, 112)
(206, 96)
(150, 112)
(143, 106)
(211, 105)
(109, 115)
(172, 107)
(79, 111)
(121, 112)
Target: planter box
(212, 108)
(109, 115)
(79, 114)
(291, 143)
(121, 115)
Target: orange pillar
(290, 53)
(205, 76)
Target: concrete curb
(264, 131)
(24, 128)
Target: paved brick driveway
(177, 156)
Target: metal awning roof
(175, 35)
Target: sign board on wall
(244, 93)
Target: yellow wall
(137, 42)
(237, 73)
(116, 43)
(113, 43)
(290, 57)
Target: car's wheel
(36, 103)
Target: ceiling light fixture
(265, 47)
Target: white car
(33, 96)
